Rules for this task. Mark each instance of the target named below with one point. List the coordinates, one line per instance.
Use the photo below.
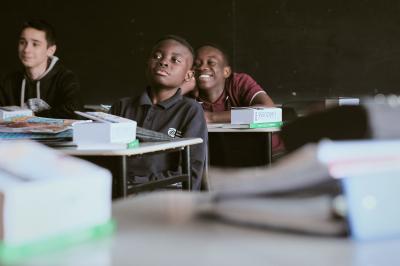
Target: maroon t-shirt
(240, 90)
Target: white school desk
(120, 172)
(225, 128)
(157, 229)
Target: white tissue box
(45, 194)
(250, 115)
(94, 133)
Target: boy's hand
(208, 117)
(218, 117)
(37, 105)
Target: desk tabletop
(160, 229)
(144, 147)
(226, 127)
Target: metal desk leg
(123, 187)
(186, 166)
(269, 149)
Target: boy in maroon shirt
(219, 89)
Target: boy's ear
(227, 71)
(189, 75)
(189, 84)
(51, 50)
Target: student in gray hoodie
(44, 85)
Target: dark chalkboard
(311, 48)
(294, 49)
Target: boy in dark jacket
(44, 85)
(161, 107)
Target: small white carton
(45, 194)
(251, 115)
(98, 132)
(7, 112)
(101, 132)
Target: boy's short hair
(42, 25)
(176, 38)
(223, 51)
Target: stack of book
(7, 112)
(330, 188)
(43, 129)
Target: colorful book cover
(34, 124)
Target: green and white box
(250, 115)
(45, 194)
(98, 134)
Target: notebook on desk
(147, 135)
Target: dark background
(294, 49)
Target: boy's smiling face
(211, 68)
(169, 65)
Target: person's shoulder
(62, 76)
(188, 99)
(120, 106)
(192, 116)
(242, 77)
(60, 69)
(126, 101)
(191, 108)
(243, 82)
(191, 102)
